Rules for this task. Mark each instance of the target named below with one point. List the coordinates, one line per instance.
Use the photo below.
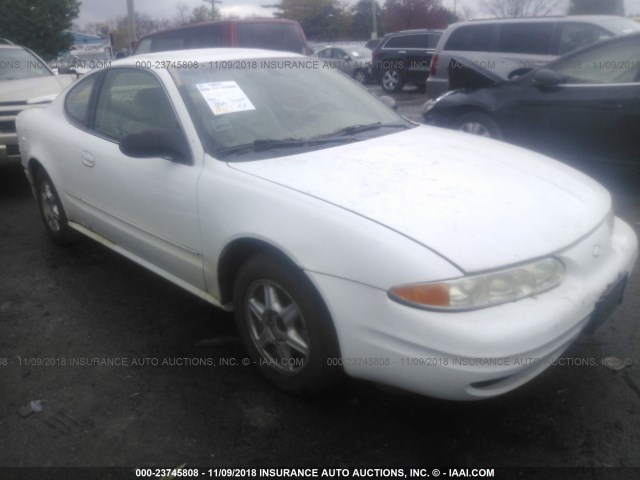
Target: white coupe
(344, 237)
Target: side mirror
(389, 102)
(545, 78)
(158, 142)
(518, 72)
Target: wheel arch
(235, 254)
(454, 113)
(33, 167)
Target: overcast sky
(100, 10)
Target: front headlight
(485, 290)
(428, 106)
(431, 103)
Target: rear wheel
(360, 76)
(478, 124)
(53, 215)
(392, 81)
(285, 325)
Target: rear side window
(76, 104)
(395, 42)
(411, 41)
(144, 46)
(531, 38)
(612, 63)
(271, 36)
(209, 36)
(402, 41)
(471, 38)
(576, 35)
(432, 40)
(163, 42)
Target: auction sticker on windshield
(225, 97)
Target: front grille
(9, 113)
(11, 104)
(8, 126)
(13, 150)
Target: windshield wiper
(353, 129)
(268, 144)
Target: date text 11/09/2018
(313, 472)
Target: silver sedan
(354, 61)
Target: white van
(505, 46)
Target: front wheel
(478, 124)
(392, 81)
(285, 326)
(53, 215)
(360, 76)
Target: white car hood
(480, 203)
(25, 89)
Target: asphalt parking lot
(180, 393)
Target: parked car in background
(354, 61)
(371, 44)
(82, 62)
(315, 47)
(266, 33)
(506, 46)
(26, 81)
(404, 58)
(340, 242)
(581, 108)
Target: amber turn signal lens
(436, 295)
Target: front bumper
(481, 353)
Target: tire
(285, 325)
(360, 76)
(478, 124)
(391, 81)
(52, 212)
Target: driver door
(146, 206)
(593, 114)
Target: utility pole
(131, 22)
(213, 7)
(374, 31)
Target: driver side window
(130, 101)
(617, 62)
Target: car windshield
(358, 51)
(270, 107)
(17, 63)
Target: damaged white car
(289, 194)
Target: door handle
(88, 160)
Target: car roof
(557, 18)
(203, 55)
(417, 30)
(343, 47)
(220, 22)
